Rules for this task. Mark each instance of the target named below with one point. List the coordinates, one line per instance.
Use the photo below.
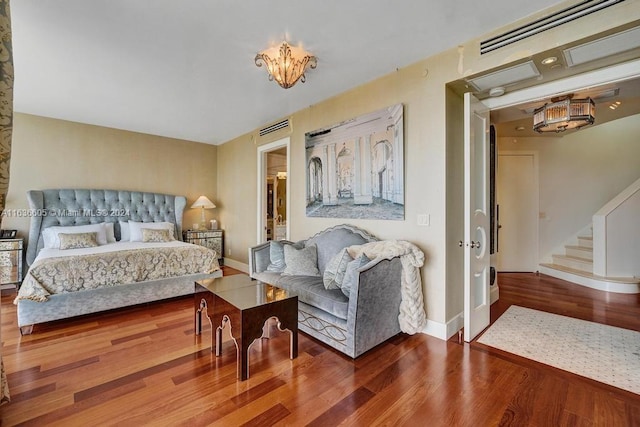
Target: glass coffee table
(244, 305)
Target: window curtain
(6, 128)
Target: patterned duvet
(57, 273)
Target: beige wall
(429, 128)
(588, 168)
(49, 153)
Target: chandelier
(286, 64)
(564, 113)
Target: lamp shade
(203, 202)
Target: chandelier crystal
(564, 114)
(286, 64)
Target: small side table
(244, 305)
(11, 252)
(212, 239)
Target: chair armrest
(374, 304)
(259, 258)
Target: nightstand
(212, 239)
(11, 262)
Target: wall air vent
(275, 127)
(565, 15)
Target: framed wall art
(355, 169)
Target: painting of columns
(355, 169)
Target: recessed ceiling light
(520, 128)
(550, 60)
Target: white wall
(579, 173)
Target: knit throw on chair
(412, 316)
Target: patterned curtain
(6, 128)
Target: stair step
(586, 241)
(579, 252)
(626, 285)
(574, 262)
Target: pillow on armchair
(276, 254)
(335, 269)
(351, 274)
(301, 262)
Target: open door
(273, 190)
(477, 300)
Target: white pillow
(111, 236)
(135, 228)
(52, 241)
(124, 231)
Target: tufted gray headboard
(79, 207)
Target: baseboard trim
(444, 331)
(592, 282)
(237, 265)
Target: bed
(139, 258)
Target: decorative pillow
(111, 236)
(276, 254)
(135, 228)
(335, 269)
(78, 240)
(160, 235)
(52, 241)
(351, 274)
(124, 231)
(301, 262)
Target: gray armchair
(353, 321)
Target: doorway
(517, 196)
(600, 77)
(273, 191)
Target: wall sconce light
(286, 64)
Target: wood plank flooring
(144, 366)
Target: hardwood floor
(145, 366)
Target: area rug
(603, 353)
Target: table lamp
(203, 203)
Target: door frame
(263, 150)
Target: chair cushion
(311, 290)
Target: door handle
(475, 244)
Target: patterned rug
(603, 353)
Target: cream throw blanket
(412, 317)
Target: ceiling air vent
(275, 127)
(566, 15)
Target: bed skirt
(62, 306)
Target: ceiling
(186, 69)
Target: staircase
(576, 265)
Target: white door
(476, 224)
(517, 189)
